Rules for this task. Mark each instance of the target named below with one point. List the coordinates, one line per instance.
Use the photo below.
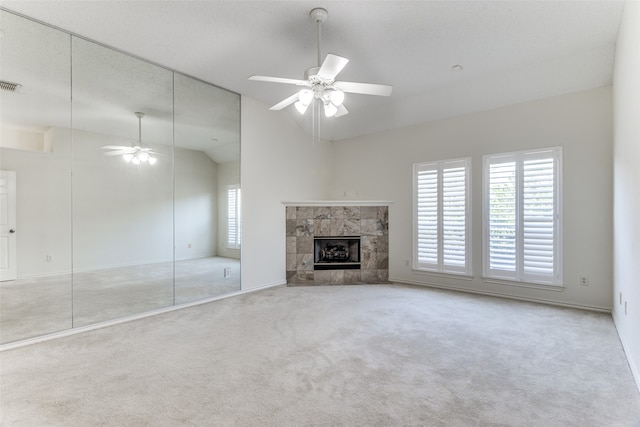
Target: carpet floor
(379, 355)
(36, 306)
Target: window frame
(440, 267)
(519, 274)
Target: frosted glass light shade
(305, 97)
(301, 107)
(336, 97)
(330, 110)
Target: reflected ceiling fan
(320, 82)
(135, 154)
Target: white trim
(340, 203)
(100, 325)
(525, 284)
(446, 275)
(501, 295)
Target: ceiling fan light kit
(320, 84)
(137, 154)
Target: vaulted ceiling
(508, 51)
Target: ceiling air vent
(8, 86)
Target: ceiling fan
(135, 154)
(320, 82)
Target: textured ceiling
(510, 51)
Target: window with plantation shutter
(441, 218)
(234, 226)
(522, 216)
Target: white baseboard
(502, 295)
(265, 286)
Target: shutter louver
(427, 216)
(538, 216)
(453, 217)
(502, 216)
(233, 217)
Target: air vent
(8, 86)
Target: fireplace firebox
(336, 253)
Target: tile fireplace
(337, 242)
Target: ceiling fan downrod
(319, 15)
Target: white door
(8, 260)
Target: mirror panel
(207, 153)
(35, 286)
(122, 210)
(99, 237)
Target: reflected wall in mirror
(207, 156)
(35, 153)
(99, 234)
(122, 211)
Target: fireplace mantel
(340, 203)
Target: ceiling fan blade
(119, 152)
(285, 102)
(115, 147)
(364, 88)
(342, 111)
(279, 80)
(331, 66)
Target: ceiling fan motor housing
(319, 14)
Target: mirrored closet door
(127, 200)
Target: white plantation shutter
(454, 220)
(502, 215)
(522, 216)
(427, 218)
(538, 217)
(442, 216)
(234, 228)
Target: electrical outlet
(406, 262)
(189, 245)
(227, 272)
(584, 281)
(49, 258)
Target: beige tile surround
(369, 221)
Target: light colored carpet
(37, 306)
(380, 355)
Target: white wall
(279, 163)
(43, 206)
(122, 213)
(379, 167)
(119, 214)
(196, 205)
(626, 160)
